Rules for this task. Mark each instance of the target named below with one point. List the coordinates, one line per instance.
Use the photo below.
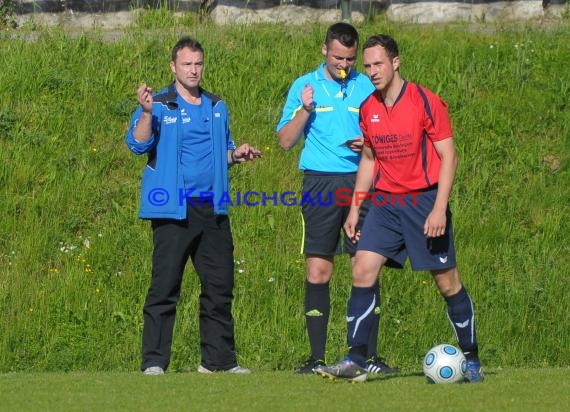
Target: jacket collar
(171, 95)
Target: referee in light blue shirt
(323, 106)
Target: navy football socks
(373, 337)
(360, 316)
(462, 318)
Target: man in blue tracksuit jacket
(185, 133)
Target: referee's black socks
(317, 309)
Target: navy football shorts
(394, 228)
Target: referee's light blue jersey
(333, 122)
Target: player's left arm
(436, 221)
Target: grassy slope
(66, 179)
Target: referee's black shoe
(311, 365)
(377, 365)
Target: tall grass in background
(75, 261)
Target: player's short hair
(345, 33)
(186, 42)
(385, 41)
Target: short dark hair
(186, 42)
(385, 41)
(344, 33)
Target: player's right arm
(143, 129)
(361, 188)
(291, 132)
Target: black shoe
(311, 365)
(377, 365)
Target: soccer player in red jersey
(409, 159)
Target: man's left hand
(356, 144)
(245, 153)
(435, 224)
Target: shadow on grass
(388, 376)
(385, 377)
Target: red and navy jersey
(401, 138)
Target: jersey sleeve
(292, 104)
(364, 128)
(437, 122)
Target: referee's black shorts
(324, 217)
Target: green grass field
(505, 390)
(75, 261)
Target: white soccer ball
(444, 364)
